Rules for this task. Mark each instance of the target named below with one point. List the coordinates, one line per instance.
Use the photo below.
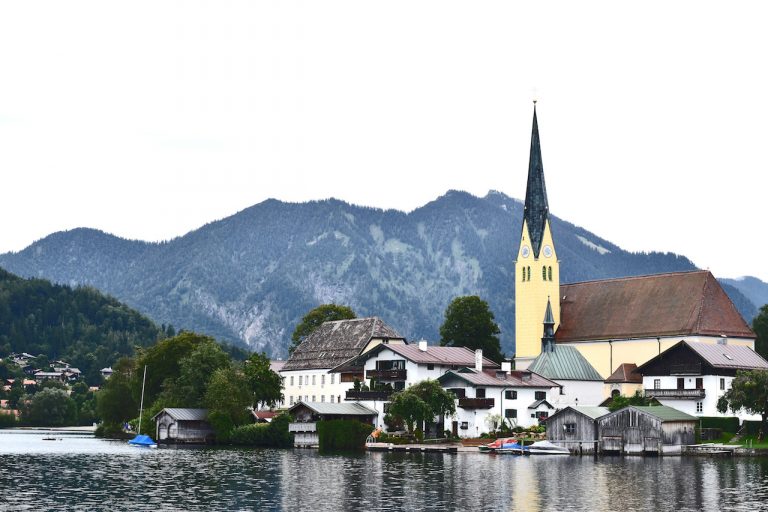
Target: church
(609, 322)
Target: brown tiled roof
(513, 379)
(676, 304)
(625, 373)
(335, 342)
(446, 356)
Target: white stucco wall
(588, 392)
(313, 386)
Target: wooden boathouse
(575, 428)
(183, 426)
(646, 430)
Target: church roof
(564, 363)
(335, 342)
(625, 373)
(536, 206)
(675, 304)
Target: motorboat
(547, 448)
(514, 449)
(495, 445)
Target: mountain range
(250, 277)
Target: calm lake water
(80, 472)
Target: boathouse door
(455, 429)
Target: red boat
(497, 444)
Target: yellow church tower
(537, 271)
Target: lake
(80, 472)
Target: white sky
(149, 119)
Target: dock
(412, 448)
(711, 449)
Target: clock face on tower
(547, 251)
(526, 251)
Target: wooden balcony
(685, 369)
(476, 403)
(302, 427)
(368, 395)
(386, 374)
(676, 394)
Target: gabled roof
(445, 356)
(515, 379)
(536, 208)
(564, 363)
(625, 373)
(592, 412)
(336, 409)
(335, 342)
(663, 412)
(728, 357)
(674, 304)
(538, 403)
(180, 414)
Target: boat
(142, 441)
(515, 448)
(547, 448)
(495, 445)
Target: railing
(682, 394)
(386, 374)
(368, 395)
(476, 403)
(302, 427)
(685, 369)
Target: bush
(724, 424)
(274, 434)
(387, 438)
(112, 431)
(343, 435)
(752, 428)
(7, 420)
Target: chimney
(423, 345)
(506, 367)
(479, 360)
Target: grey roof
(592, 412)
(536, 207)
(537, 403)
(335, 342)
(665, 413)
(729, 356)
(336, 409)
(180, 414)
(564, 362)
(447, 356)
(511, 380)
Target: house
(624, 381)
(106, 372)
(389, 368)
(306, 374)
(640, 430)
(692, 376)
(484, 398)
(43, 376)
(183, 426)
(307, 414)
(610, 321)
(575, 428)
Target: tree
(51, 408)
(265, 385)
(621, 401)
(315, 318)
(195, 371)
(227, 399)
(115, 402)
(470, 323)
(760, 326)
(749, 391)
(421, 403)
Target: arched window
(544, 273)
(523, 274)
(529, 273)
(549, 273)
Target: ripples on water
(83, 473)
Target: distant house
(106, 372)
(575, 428)
(692, 376)
(580, 383)
(44, 376)
(640, 430)
(521, 398)
(180, 426)
(306, 375)
(306, 416)
(625, 381)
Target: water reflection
(83, 473)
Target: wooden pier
(412, 448)
(711, 449)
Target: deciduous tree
(760, 326)
(749, 391)
(470, 323)
(264, 384)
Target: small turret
(548, 341)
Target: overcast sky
(149, 119)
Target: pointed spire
(548, 341)
(549, 318)
(536, 207)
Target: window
(569, 428)
(523, 274)
(480, 393)
(656, 383)
(542, 415)
(458, 392)
(397, 364)
(699, 383)
(291, 380)
(510, 395)
(464, 425)
(338, 398)
(332, 377)
(540, 395)
(291, 399)
(699, 406)
(322, 380)
(544, 273)
(300, 380)
(510, 413)
(722, 384)
(399, 385)
(549, 273)
(313, 379)
(680, 383)
(306, 398)
(332, 397)
(322, 398)
(430, 366)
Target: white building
(691, 376)
(306, 375)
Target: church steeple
(548, 341)
(536, 207)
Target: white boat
(547, 448)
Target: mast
(141, 407)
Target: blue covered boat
(143, 441)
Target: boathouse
(183, 426)
(307, 414)
(575, 428)
(646, 430)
